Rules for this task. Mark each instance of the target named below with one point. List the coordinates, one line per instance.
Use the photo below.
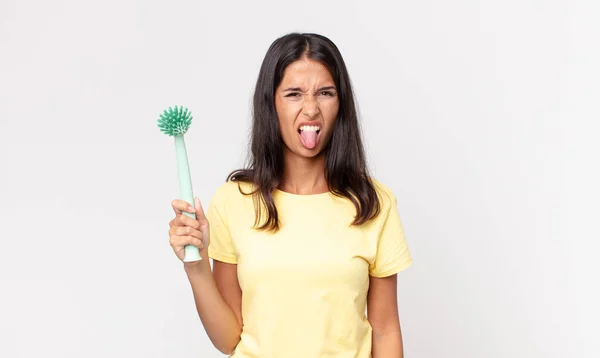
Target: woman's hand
(184, 230)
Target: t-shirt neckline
(292, 195)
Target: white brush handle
(185, 192)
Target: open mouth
(303, 128)
(309, 136)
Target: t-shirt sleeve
(221, 246)
(392, 254)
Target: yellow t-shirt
(304, 288)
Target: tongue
(309, 139)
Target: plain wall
(464, 107)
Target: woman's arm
(218, 300)
(382, 312)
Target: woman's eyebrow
(295, 89)
(298, 89)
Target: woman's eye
(293, 94)
(327, 93)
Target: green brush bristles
(175, 122)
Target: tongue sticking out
(309, 139)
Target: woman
(304, 240)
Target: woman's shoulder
(385, 194)
(232, 189)
(381, 187)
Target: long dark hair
(345, 165)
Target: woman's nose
(310, 107)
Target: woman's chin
(310, 152)
(303, 152)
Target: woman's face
(307, 106)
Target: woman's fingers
(185, 231)
(179, 206)
(184, 220)
(178, 242)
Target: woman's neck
(303, 175)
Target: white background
(480, 115)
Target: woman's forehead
(306, 72)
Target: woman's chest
(320, 250)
